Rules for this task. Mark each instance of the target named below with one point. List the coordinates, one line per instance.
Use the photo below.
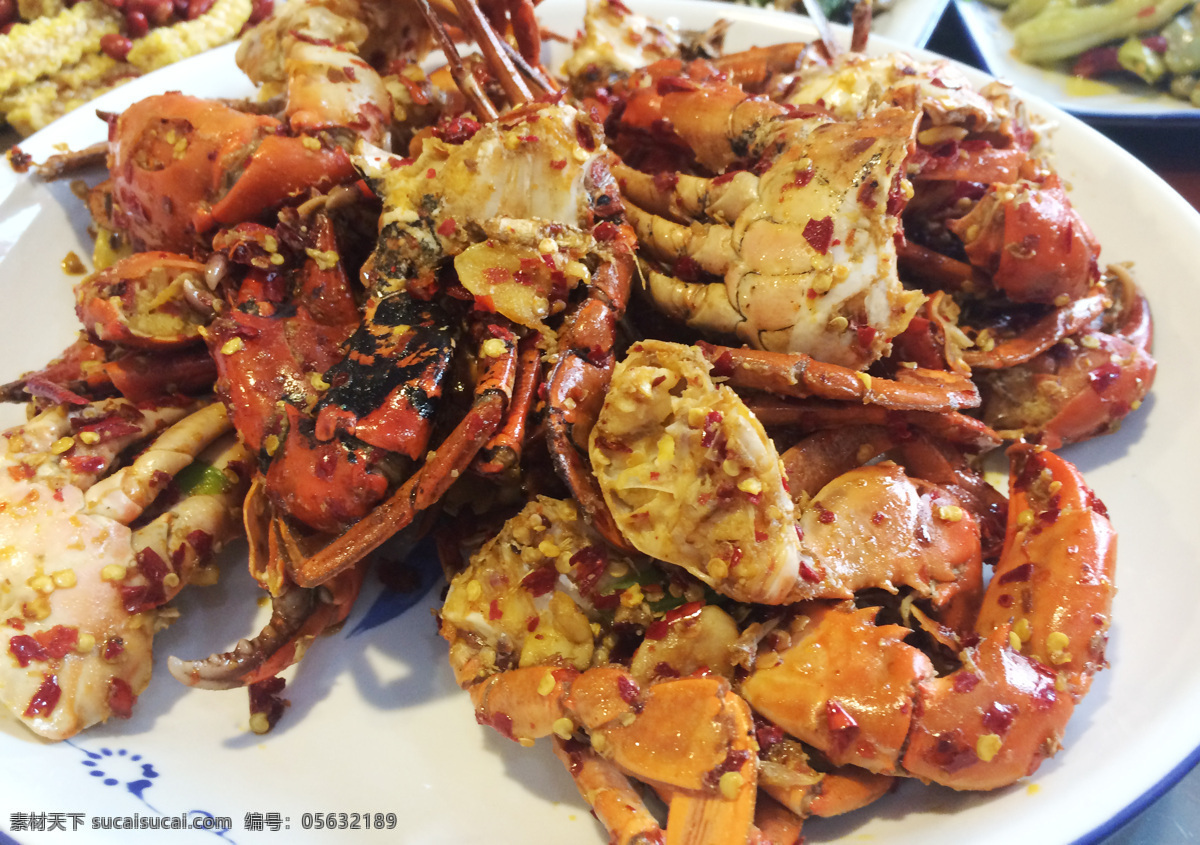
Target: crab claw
(150, 300)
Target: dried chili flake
(113, 647)
(59, 641)
(808, 573)
(26, 650)
(628, 689)
(45, 699)
(121, 698)
(687, 611)
(819, 233)
(540, 581)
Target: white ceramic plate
(1125, 101)
(376, 723)
(908, 22)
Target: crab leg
(172, 547)
(577, 386)
(613, 799)
(489, 42)
(298, 615)
(1060, 323)
(810, 415)
(798, 375)
(465, 80)
(503, 451)
(683, 197)
(126, 493)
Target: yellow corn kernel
(730, 784)
(988, 746)
(62, 444)
(38, 609)
(474, 590)
(113, 572)
(750, 485)
(666, 450)
(576, 270)
(64, 578)
(43, 584)
(493, 347)
(259, 723)
(950, 513)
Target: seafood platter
(592, 423)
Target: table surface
(1174, 154)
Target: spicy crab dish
(747, 389)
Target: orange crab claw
(281, 168)
(1032, 240)
(150, 300)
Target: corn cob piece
(30, 10)
(38, 104)
(162, 46)
(45, 45)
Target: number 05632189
(348, 821)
